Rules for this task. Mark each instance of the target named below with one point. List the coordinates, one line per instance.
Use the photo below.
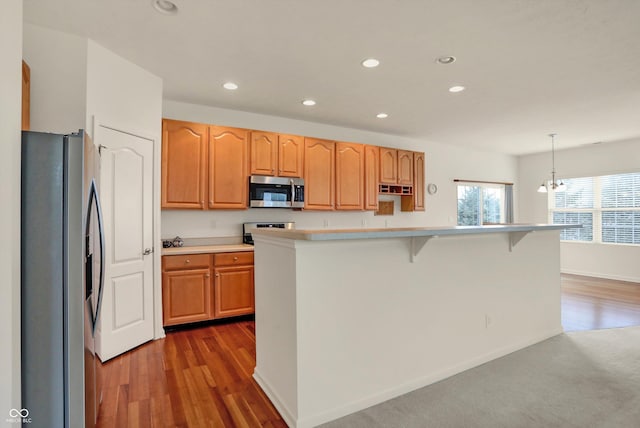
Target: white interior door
(126, 193)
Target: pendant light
(557, 186)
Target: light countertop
(341, 234)
(203, 249)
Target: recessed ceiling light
(308, 102)
(165, 6)
(456, 89)
(370, 63)
(382, 115)
(230, 86)
(445, 60)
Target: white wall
(600, 260)
(58, 64)
(443, 164)
(122, 93)
(10, 123)
(124, 96)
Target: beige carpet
(579, 379)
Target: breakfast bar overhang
(346, 319)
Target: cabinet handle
(235, 259)
(217, 275)
(207, 275)
(187, 261)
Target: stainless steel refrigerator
(62, 276)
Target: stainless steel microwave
(276, 192)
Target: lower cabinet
(190, 295)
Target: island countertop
(403, 232)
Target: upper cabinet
(319, 174)
(207, 167)
(276, 155)
(184, 164)
(396, 166)
(290, 155)
(371, 176)
(415, 201)
(350, 175)
(388, 165)
(418, 181)
(26, 97)
(264, 153)
(405, 167)
(228, 177)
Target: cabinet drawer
(230, 259)
(188, 261)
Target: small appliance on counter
(175, 242)
(248, 227)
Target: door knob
(147, 251)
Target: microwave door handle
(293, 192)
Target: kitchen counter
(405, 232)
(346, 319)
(204, 249)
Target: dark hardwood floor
(197, 377)
(201, 377)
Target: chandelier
(557, 186)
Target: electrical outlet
(386, 223)
(487, 321)
(326, 222)
(364, 222)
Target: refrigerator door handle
(95, 200)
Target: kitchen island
(346, 319)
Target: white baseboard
(601, 275)
(277, 402)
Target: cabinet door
(388, 166)
(349, 176)
(228, 178)
(233, 291)
(405, 167)
(264, 153)
(290, 155)
(184, 164)
(371, 177)
(319, 174)
(186, 296)
(418, 181)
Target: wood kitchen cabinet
(388, 165)
(396, 166)
(201, 287)
(319, 174)
(350, 175)
(415, 201)
(228, 165)
(186, 289)
(276, 154)
(184, 164)
(405, 167)
(290, 155)
(418, 181)
(264, 153)
(233, 285)
(371, 176)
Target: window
(480, 204)
(608, 207)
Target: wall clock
(432, 188)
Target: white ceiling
(531, 67)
